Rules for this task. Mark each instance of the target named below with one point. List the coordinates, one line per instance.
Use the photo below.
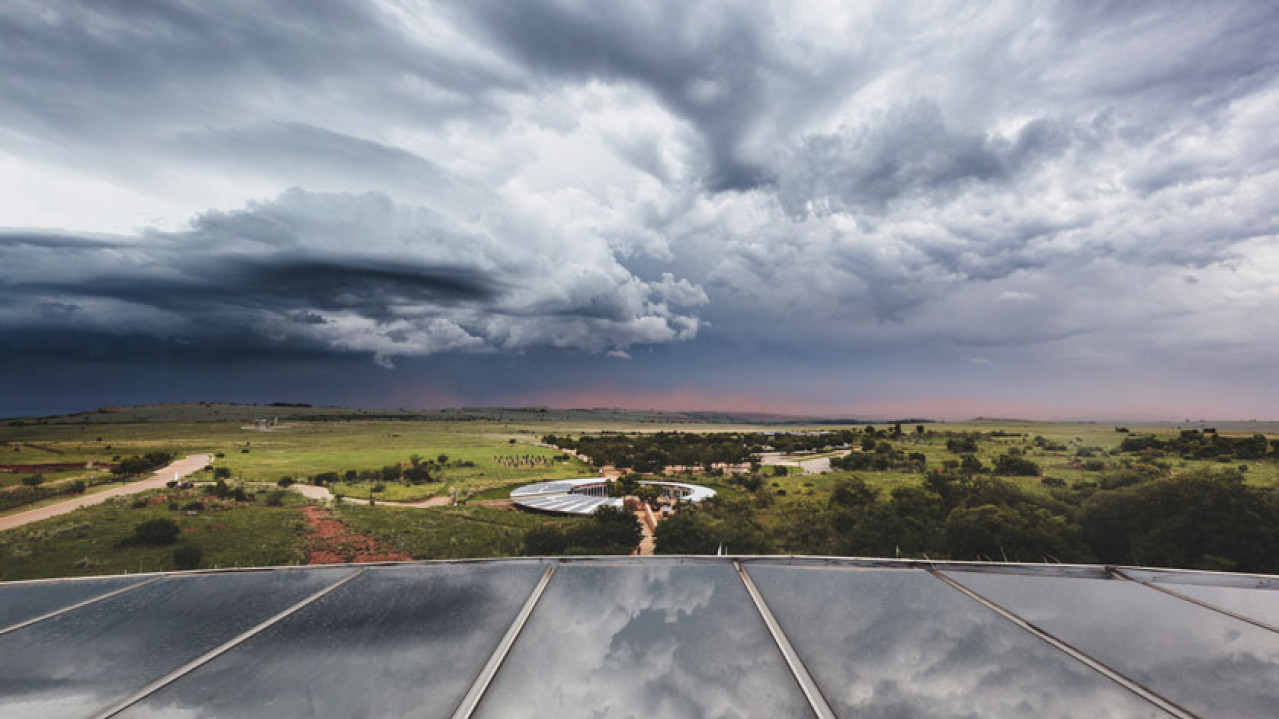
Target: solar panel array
(644, 637)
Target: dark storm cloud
(909, 150)
(324, 273)
(817, 180)
(708, 67)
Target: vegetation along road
(177, 470)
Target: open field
(487, 453)
(88, 541)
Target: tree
(686, 532)
(34, 480)
(611, 530)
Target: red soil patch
(332, 542)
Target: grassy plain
(89, 541)
(309, 441)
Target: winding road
(177, 470)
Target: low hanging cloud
(1081, 184)
(343, 273)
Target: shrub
(155, 532)
(139, 504)
(544, 542)
(188, 556)
(171, 483)
(193, 507)
(34, 480)
(286, 482)
(275, 499)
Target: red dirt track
(332, 542)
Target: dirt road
(177, 470)
(324, 495)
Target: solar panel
(899, 642)
(650, 637)
(395, 641)
(1209, 663)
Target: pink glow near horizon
(939, 406)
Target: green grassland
(447, 532)
(310, 441)
(89, 541)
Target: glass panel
(80, 662)
(652, 639)
(898, 642)
(1252, 596)
(394, 642)
(1259, 604)
(1211, 664)
(20, 602)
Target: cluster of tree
(135, 465)
(1194, 444)
(712, 527)
(611, 530)
(881, 456)
(418, 471)
(650, 453)
(1198, 519)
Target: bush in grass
(155, 533)
(286, 482)
(193, 507)
(188, 556)
(544, 542)
(275, 498)
(139, 504)
(34, 480)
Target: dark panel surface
(20, 602)
(78, 663)
(1211, 664)
(900, 643)
(394, 642)
(652, 639)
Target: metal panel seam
(77, 605)
(1140, 690)
(806, 683)
(221, 649)
(1221, 610)
(471, 700)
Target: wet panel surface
(22, 602)
(394, 642)
(79, 663)
(1211, 664)
(900, 643)
(656, 639)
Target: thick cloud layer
(1045, 189)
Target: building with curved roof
(582, 497)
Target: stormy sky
(1035, 209)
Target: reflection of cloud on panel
(669, 640)
(901, 643)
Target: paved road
(178, 469)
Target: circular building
(581, 497)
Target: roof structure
(584, 496)
(644, 637)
